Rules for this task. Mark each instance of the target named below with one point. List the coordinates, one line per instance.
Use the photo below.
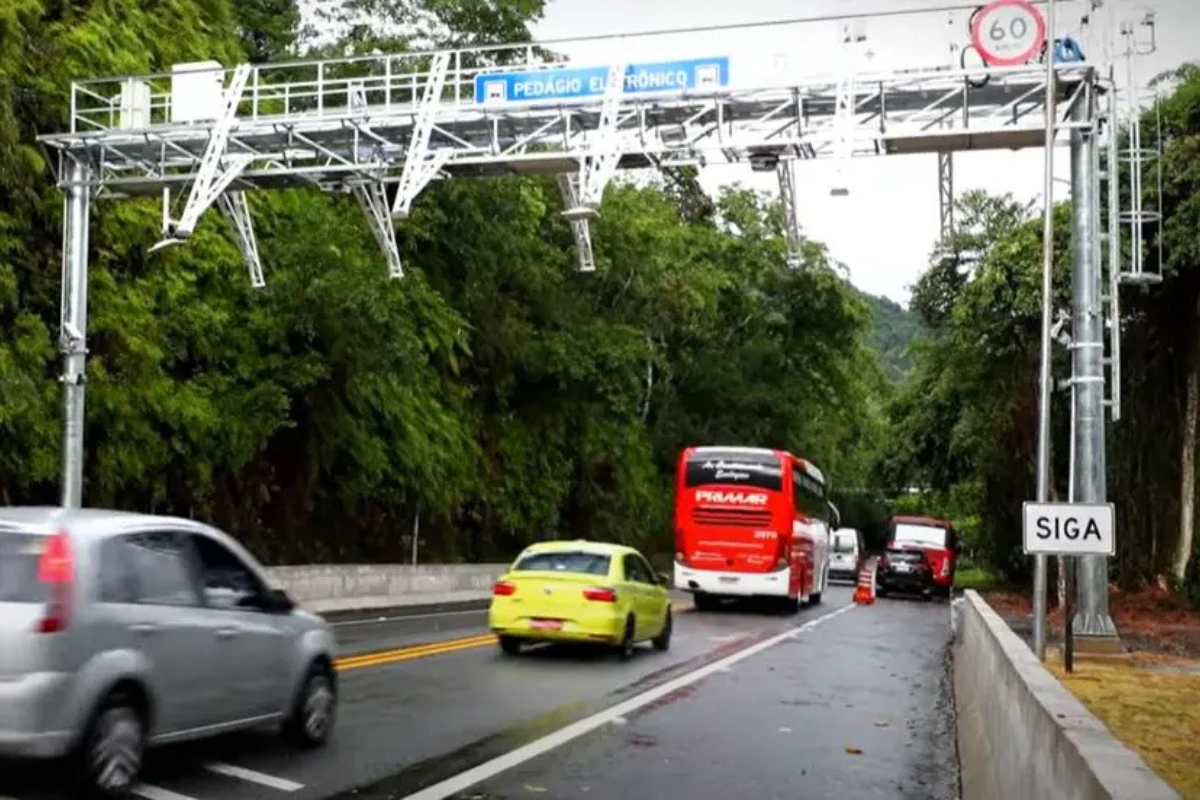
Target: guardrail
(1021, 734)
(324, 588)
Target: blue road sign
(564, 83)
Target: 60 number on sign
(1008, 32)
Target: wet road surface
(857, 706)
(744, 704)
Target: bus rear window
(928, 535)
(731, 469)
(20, 555)
(573, 562)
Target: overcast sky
(885, 228)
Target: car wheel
(510, 645)
(112, 748)
(627, 641)
(663, 640)
(310, 722)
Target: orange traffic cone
(864, 594)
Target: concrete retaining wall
(348, 587)
(1021, 734)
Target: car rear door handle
(226, 633)
(144, 628)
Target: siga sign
(1069, 529)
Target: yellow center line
(414, 652)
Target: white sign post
(1008, 32)
(1069, 529)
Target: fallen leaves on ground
(1150, 702)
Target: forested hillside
(965, 422)
(494, 391)
(895, 328)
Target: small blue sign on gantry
(564, 83)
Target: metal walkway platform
(350, 121)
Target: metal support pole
(946, 194)
(1087, 326)
(73, 329)
(1044, 386)
(1069, 565)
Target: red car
(936, 537)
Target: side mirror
(278, 602)
(664, 578)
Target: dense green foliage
(964, 425)
(895, 329)
(494, 392)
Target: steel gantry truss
(206, 135)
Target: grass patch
(976, 578)
(1152, 703)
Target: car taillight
(56, 569)
(504, 588)
(600, 594)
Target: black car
(904, 570)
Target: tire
(510, 645)
(789, 606)
(815, 597)
(704, 602)
(662, 642)
(112, 748)
(310, 721)
(625, 648)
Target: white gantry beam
(217, 170)
(421, 165)
(236, 207)
(568, 184)
(603, 156)
(373, 199)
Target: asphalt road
(745, 704)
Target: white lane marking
(490, 769)
(250, 775)
(402, 617)
(155, 793)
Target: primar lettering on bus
(741, 498)
(1069, 529)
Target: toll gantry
(383, 127)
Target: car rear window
(845, 544)
(20, 554)
(575, 562)
(919, 534)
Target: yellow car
(581, 592)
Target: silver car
(120, 631)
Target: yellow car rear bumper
(602, 625)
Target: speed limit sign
(1008, 32)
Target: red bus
(936, 537)
(751, 522)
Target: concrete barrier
(1022, 734)
(350, 587)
